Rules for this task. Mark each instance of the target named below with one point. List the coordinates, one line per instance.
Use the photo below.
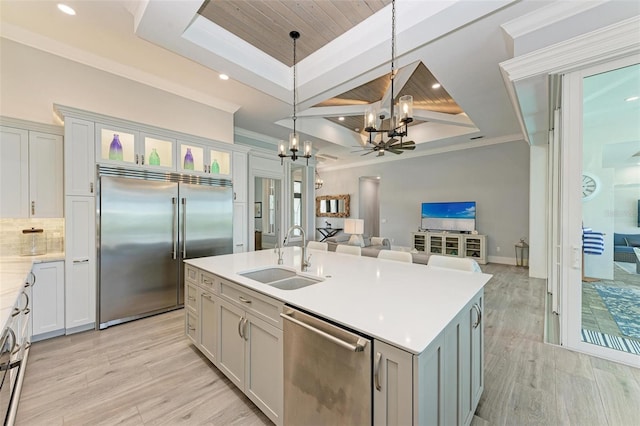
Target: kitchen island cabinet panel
(264, 369)
(209, 308)
(393, 378)
(231, 342)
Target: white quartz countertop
(404, 304)
(13, 272)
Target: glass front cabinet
(201, 158)
(125, 147)
(128, 147)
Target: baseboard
(502, 260)
(80, 328)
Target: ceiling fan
(396, 146)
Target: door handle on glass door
(184, 228)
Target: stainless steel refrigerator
(148, 223)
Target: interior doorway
(266, 213)
(369, 204)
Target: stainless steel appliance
(148, 224)
(327, 373)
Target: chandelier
(294, 138)
(319, 181)
(399, 115)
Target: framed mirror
(332, 205)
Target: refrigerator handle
(184, 228)
(174, 230)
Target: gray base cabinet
(440, 386)
(240, 332)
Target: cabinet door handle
(33, 283)
(240, 328)
(33, 207)
(244, 329)
(243, 300)
(136, 158)
(26, 305)
(142, 159)
(91, 187)
(193, 299)
(234, 196)
(81, 261)
(476, 323)
(376, 374)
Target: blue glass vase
(188, 160)
(115, 149)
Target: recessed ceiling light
(224, 77)
(341, 118)
(632, 98)
(436, 86)
(66, 9)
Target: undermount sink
(269, 275)
(281, 278)
(294, 283)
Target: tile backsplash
(11, 234)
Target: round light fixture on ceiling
(436, 86)
(66, 9)
(341, 118)
(632, 98)
(223, 77)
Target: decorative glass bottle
(154, 158)
(188, 160)
(215, 167)
(115, 149)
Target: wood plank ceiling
(266, 25)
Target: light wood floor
(146, 372)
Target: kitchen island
(425, 324)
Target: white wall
(33, 80)
(627, 194)
(496, 177)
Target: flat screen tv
(453, 216)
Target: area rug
(609, 341)
(624, 306)
(627, 267)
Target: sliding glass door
(600, 193)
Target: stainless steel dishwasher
(327, 373)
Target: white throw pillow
(356, 240)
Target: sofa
(623, 245)
(372, 245)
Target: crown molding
(548, 15)
(48, 45)
(608, 43)
(31, 125)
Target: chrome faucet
(305, 263)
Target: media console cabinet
(452, 244)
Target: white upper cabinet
(31, 179)
(79, 163)
(14, 172)
(201, 158)
(45, 175)
(240, 177)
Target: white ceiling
(165, 44)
